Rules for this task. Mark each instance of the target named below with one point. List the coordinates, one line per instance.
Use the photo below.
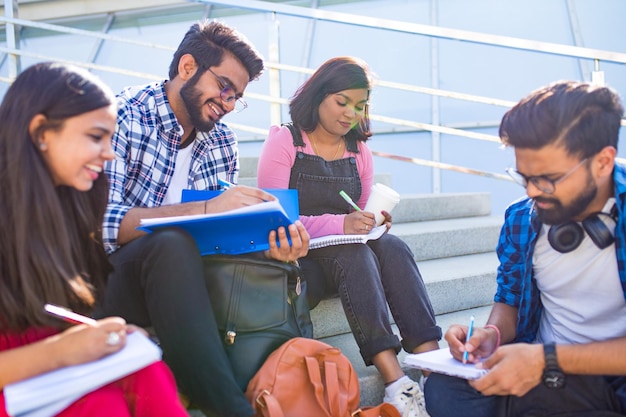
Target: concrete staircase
(453, 237)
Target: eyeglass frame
(225, 96)
(524, 180)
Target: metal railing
(274, 65)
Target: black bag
(259, 304)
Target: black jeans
(583, 396)
(159, 281)
(368, 277)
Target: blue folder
(233, 234)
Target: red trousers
(149, 392)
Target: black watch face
(554, 379)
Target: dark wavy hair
(207, 41)
(51, 247)
(581, 117)
(336, 74)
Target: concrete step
(453, 284)
(451, 237)
(425, 207)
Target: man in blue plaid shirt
(169, 137)
(555, 342)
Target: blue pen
(470, 330)
(346, 197)
(225, 183)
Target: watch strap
(549, 352)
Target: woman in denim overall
(322, 153)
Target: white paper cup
(381, 198)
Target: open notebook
(329, 240)
(48, 394)
(441, 361)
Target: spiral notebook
(442, 362)
(330, 240)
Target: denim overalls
(366, 276)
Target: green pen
(346, 197)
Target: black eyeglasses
(542, 182)
(228, 93)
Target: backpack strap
(315, 378)
(332, 387)
(268, 405)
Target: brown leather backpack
(307, 377)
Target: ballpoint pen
(225, 183)
(75, 318)
(470, 330)
(68, 315)
(346, 197)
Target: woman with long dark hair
(56, 123)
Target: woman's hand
(358, 223)
(85, 343)
(387, 220)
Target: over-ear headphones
(567, 236)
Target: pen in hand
(470, 330)
(346, 197)
(68, 315)
(225, 183)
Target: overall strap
(295, 134)
(351, 144)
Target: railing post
(434, 100)
(274, 73)
(12, 35)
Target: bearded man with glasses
(555, 341)
(170, 137)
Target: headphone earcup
(566, 237)
(598, 231)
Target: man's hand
(237, 197)
(513, 370)
(283, 251)
(480, 345)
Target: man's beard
(193, 104)
(560, 214)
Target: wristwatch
(553, 376)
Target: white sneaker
(409, 400)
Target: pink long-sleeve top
(277, 158)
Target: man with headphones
(555, 341)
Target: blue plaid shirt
(516, 284)
(146, 143)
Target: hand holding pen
(358, 222)
(88, 340)
(471, 344)
(225, 184)
(235, 196)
